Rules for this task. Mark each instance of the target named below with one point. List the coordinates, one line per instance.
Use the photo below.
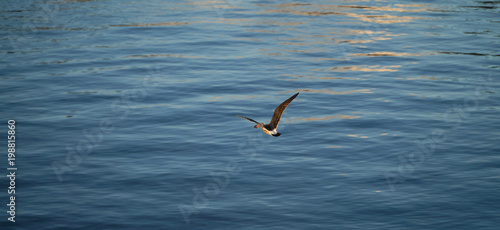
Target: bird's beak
(256, 126)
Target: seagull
(270, 128)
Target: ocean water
(124, 114)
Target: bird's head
(259, 125)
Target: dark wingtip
(277, 134)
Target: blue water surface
(124, 114)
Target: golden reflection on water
(391, 54)
(344, 10)
(323, 78)
(336, 33)
(168, 55)
(231, 21)
(365, 68)
(276, 23)
(289, 38)
(383, 19)
(356, 135)
(266, 31)
(329, 91)
(154, 24)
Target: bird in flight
(273, 124)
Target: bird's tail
(277, 134)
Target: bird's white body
(269, 132)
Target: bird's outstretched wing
(247, 119)
(279, 111)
